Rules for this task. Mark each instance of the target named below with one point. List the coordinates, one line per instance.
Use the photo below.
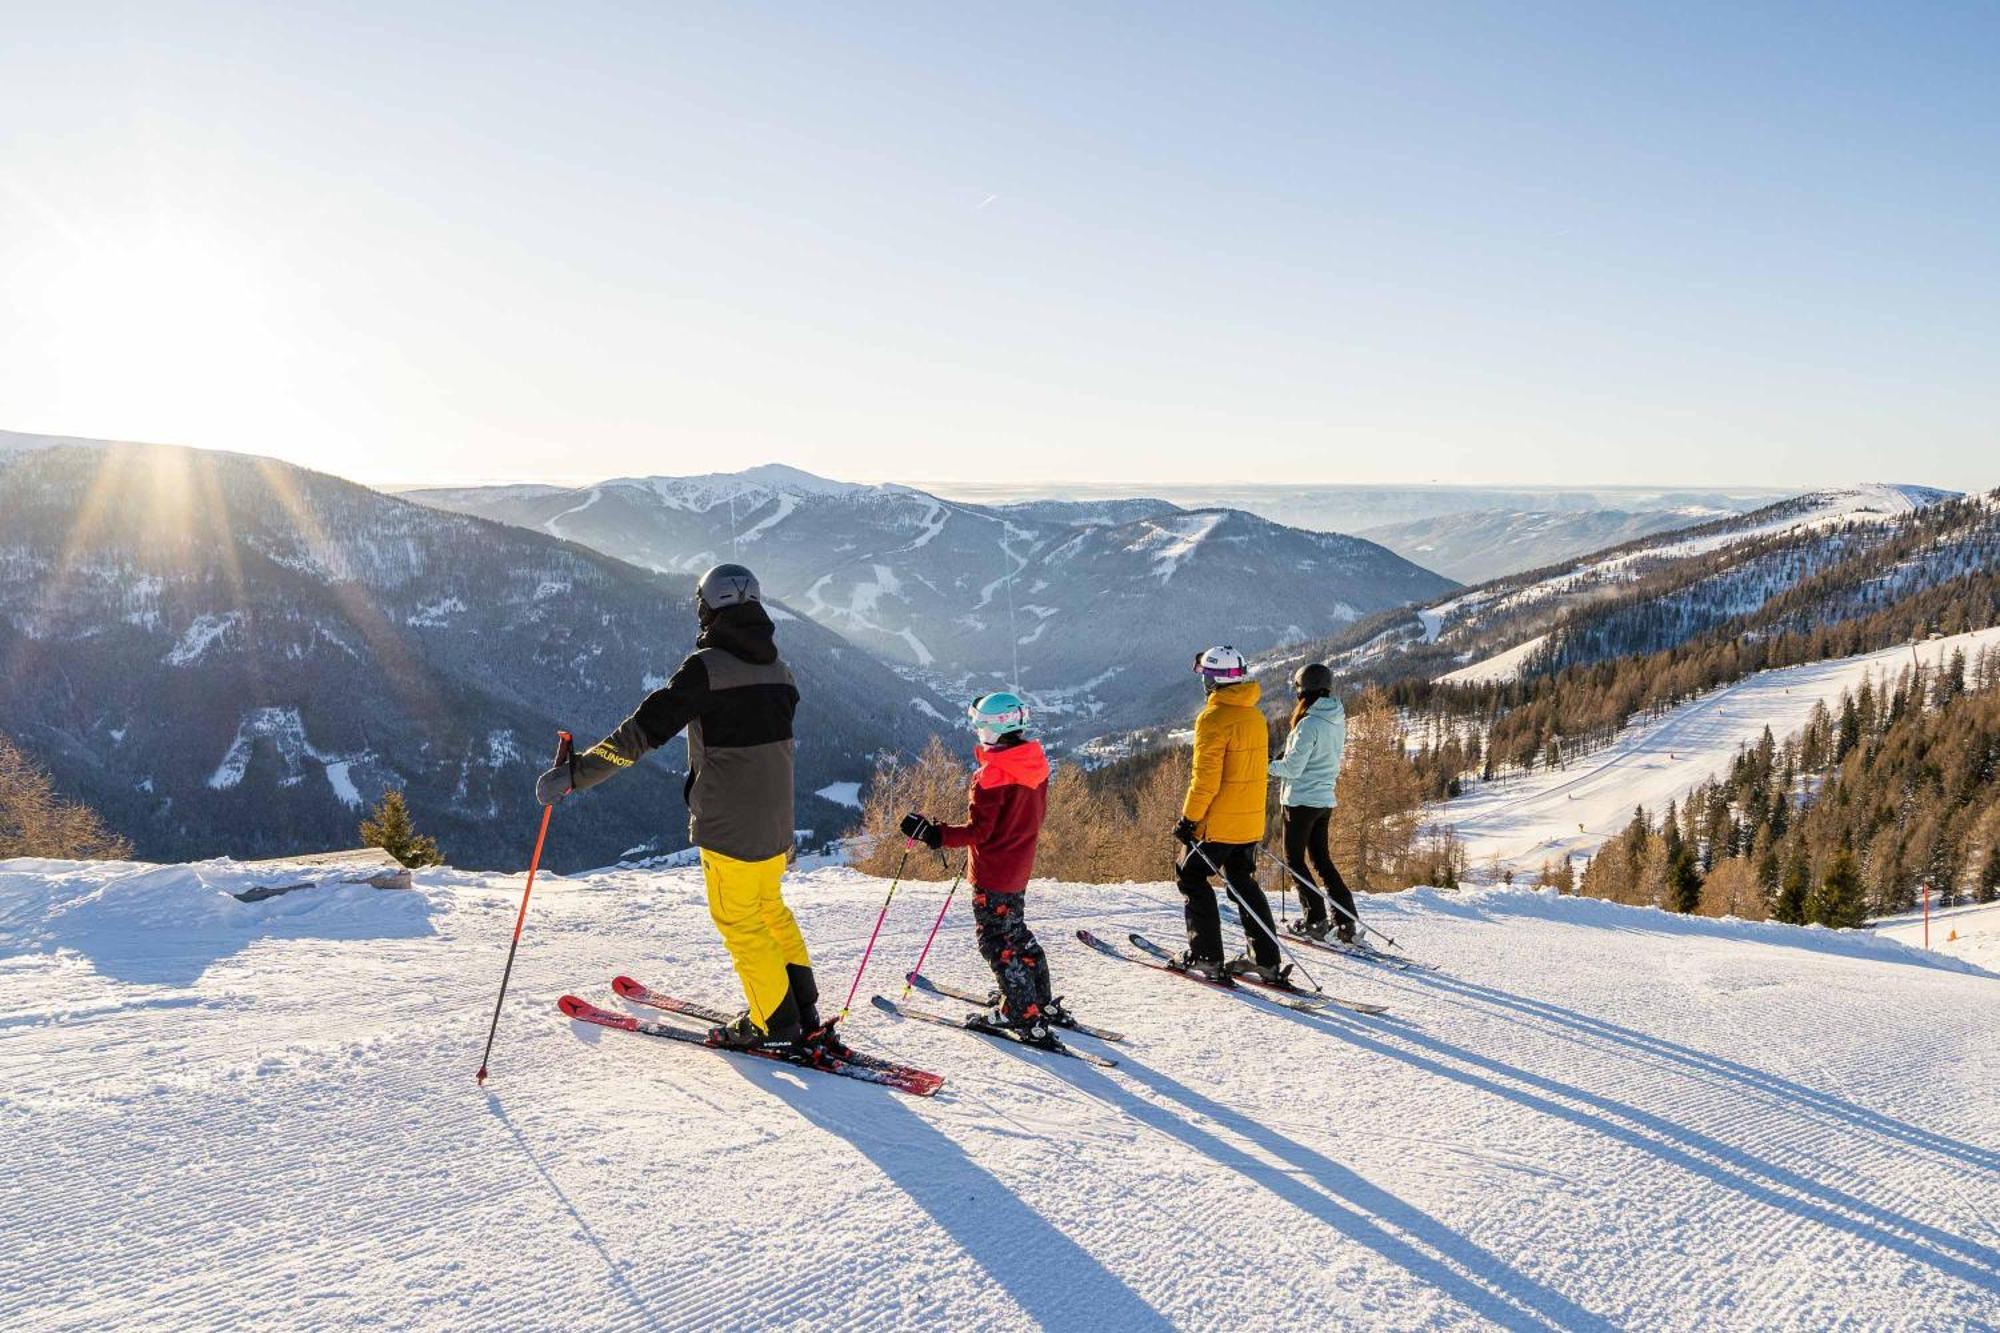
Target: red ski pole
(520, 918)
(908, 985)
(879, 918)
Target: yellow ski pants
(757, 927)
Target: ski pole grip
(564, 745)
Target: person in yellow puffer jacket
(1222, 821)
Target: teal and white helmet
(994, 715)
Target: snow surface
(217, 1114)
(1502, 666)
(1171, 540)
(1971, 933)
(203, 633)
(1871, 502)
(341, 780)
(1523, 821)
(787, 502)
(841, 793)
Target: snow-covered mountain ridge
(1594, 1117)
(1092, 607)
(1651, 593)
(221, 652)
(1487, 544)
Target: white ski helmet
(995, 715)
(1221, 665)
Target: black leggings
(1238, 864)
(1305, 836)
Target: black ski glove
(918, 829)
(553, 785)
(1184, 833)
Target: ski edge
(1296, 997)
(866, 1069)
(889, 1006)
(930, 987)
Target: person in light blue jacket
(1309, 768)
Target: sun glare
(169, 324)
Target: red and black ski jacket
(1010, 795)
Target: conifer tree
(1683, 881)
(1791, 905)
(1841, 901)
(390, 827)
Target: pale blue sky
(1689, 244)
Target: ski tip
(626, 988)
(885, 1004)
(572, 1007)
(1086, 937)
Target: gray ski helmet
(1313, 678)
(728, 585)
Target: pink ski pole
(880, 916)
(908, 985)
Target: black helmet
(1313, 678)
(728, 585)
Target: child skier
(1222, 822)
(736, 698)
(1308, 769)
(1010, 792)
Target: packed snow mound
(1591, 1117)
(171, 922)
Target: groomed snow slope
(1971, 933)
(218, 1115)
(1502, 666)
(1523, 821)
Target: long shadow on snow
(1352, 1205)
(1776, 1085)
(1056, 1281)
(618, 1278)
(1733, 1168)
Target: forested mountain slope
(223, 653)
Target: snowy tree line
(1547, 719)
(1889, 793)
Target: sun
(167, 320)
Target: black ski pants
(1011, 950)
(1305, 838)
(1238, 863)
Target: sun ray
(408, 678)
